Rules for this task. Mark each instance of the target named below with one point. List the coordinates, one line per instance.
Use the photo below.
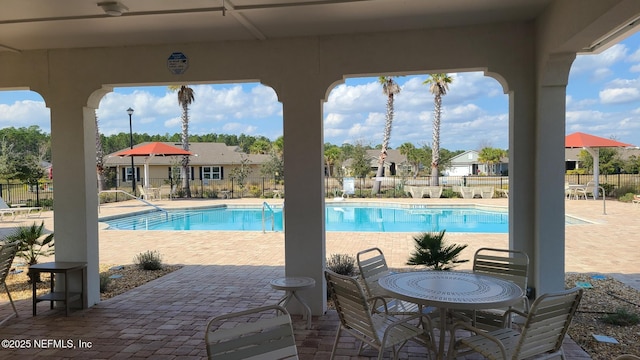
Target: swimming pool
(343, 217)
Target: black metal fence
(42, 194)
(29, 195)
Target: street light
(133, 170)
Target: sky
(603, 99)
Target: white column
(305, 249)
(76, 202)
(549, 267)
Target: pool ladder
(268, 213)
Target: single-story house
(467, 163)
(210, 162)
(394, 164)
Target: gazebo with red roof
(592, 145)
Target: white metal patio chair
(262, 333)
(7, 254)
(543, 332)
(585, 192)
(378, 330)
(372, 266)
(506, 264)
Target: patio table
(291, 284)
(451, 290)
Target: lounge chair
(544, 330)
(467, 192)
(487, 192)
(414, 191)
(434, 192)
(18, 209)
(261, 333)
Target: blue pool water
(354, 218)
(348, 218)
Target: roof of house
(205, 153)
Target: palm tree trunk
(185, 146)
(99, 157)
(385, 144)
(435, 151)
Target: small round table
(291, 285)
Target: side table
(291, 285)
(60, 267)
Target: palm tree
(432, 252)
(32, 243)
(438, 85)
(185, 98)
(389, 88)
(99, 156)
(491, 156)
(332, 154)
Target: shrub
(342, 264)
(628, 197)
(622, 317)
(432, 252)
(609, 189)
(623, 192)
(255, 191)
(105, 280)
(210, 194)
(150, 260)
(449, 193)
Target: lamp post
(133, 170)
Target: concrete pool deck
(229, 271)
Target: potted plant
(32, 244)
(432, 252)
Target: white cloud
(599, 64)
(25, 113)
(619, 95)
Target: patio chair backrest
(547, 323)
(372, 266)
(352, 306)
(507, 264)
(7, 254)
(261, 333)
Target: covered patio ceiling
(46, 24)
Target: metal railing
(126, 194)
(265, 207)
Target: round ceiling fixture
(113, 8)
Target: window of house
(212, 172)
(129, 174)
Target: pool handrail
(273, 217)
(130, 195)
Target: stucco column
(304, 178)
(549, 269)
(74, 159)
